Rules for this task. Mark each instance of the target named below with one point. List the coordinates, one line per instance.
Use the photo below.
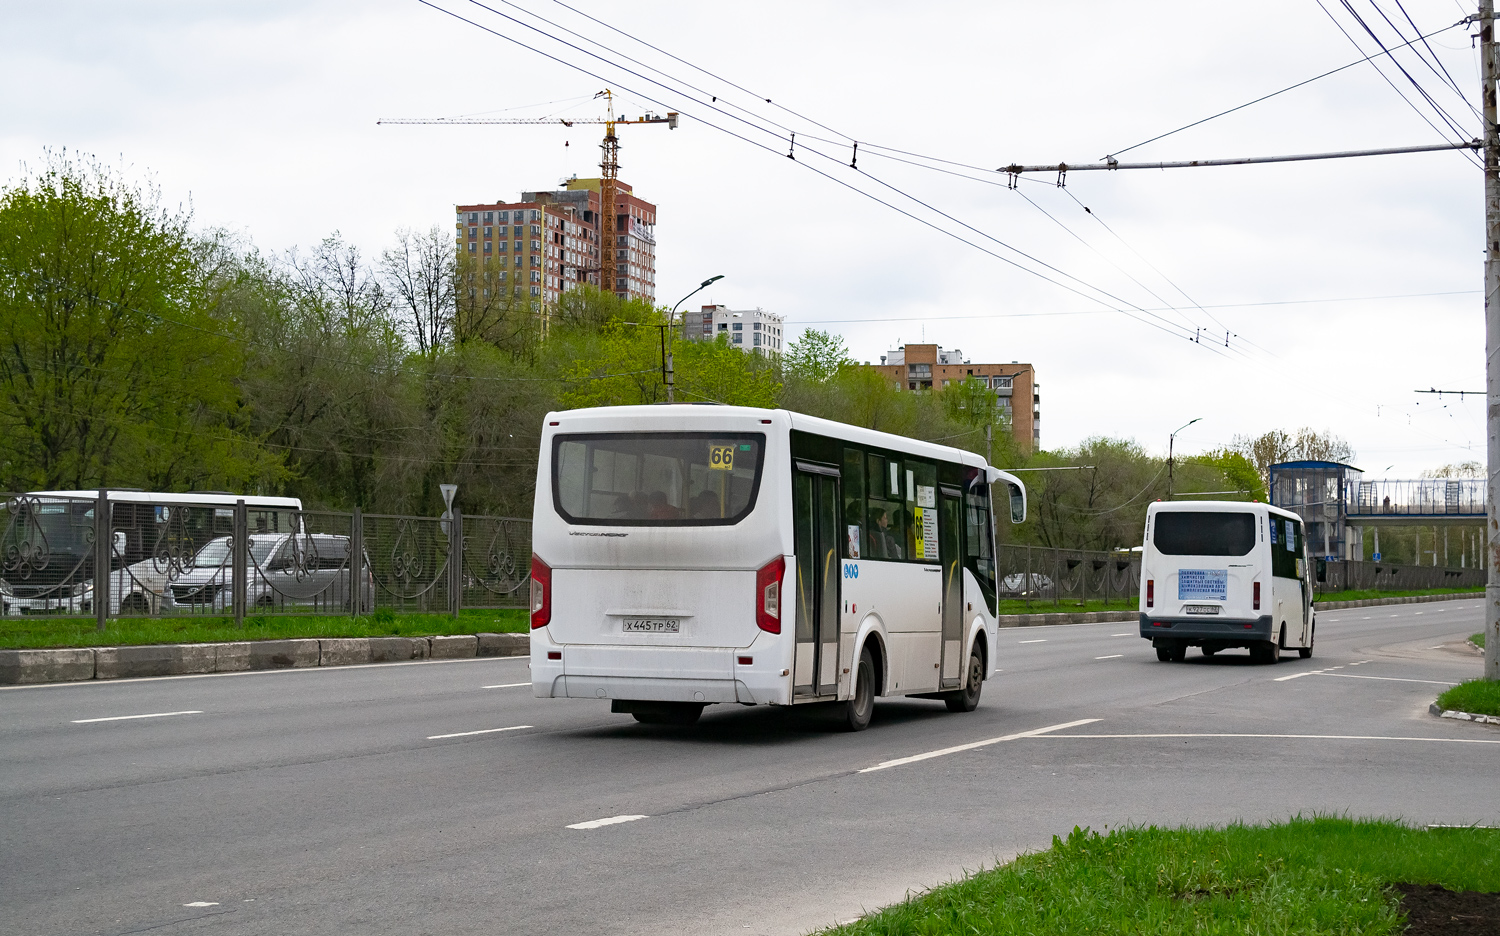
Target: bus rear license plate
(652, 625)
(1202, 609)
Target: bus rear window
(656, 478)
(1204, 533)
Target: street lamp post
(666, 356)
(1171, 439)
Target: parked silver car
(284, 570)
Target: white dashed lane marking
(1038, 640)
(465, 734)
(509, 685)
(599, 823)
(1112, 656)
(90, 721)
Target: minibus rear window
(656, 478)
(1204, 533)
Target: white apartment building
(750, 330)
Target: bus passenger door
(950, 554)
(815, 514)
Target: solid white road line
(1038, 640)
(977, 744)
(1112, 656)
(1307, 737)
(89, 721)
(465, 734)
(202, 903)
(1122, 635)
(612, 820)
(509, 685)
(1434, 682)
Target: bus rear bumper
(1197, 630)
(655, 674)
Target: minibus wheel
(967, 698)
(1170, 651)
(861, 706)
(1306, 652)
(1266, 651)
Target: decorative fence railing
(1439, 497)
(1385, 576)
(1057, 577)
(227, 557)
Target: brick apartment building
(927, 366)
(549, 242)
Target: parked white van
(1221, 574)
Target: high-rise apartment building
(751, 330)
(550, 242)
(927, 366)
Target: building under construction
(550, 242)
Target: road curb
(79, 664)
(1079, 617)
(1405, 599)
(1435, 709)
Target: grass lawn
(38, 631)
(1361, 594)
(1321, 875)
(1477, 640)
(1477, 697)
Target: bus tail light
(541, 593)
(1150, 593)
(1255, 595)
(768, 595)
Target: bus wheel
(1210, 649)
(1171, 651)
(1267, 651)
(967, 699)
(857, 711)
(1306, 652)
(680, 714)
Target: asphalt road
(437, 797)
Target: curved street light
(1170, 440)
(666, 356)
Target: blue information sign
(1200, 584)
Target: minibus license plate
(1202, 609)
(652, 625)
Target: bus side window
(883, 530)
(854, 504)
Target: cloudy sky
(1346, 285)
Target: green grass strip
(35, 632)
(1477, 640)
(1306, 876)
(1477, 697)
(1361, 594)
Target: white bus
(47, 552)
(687, 554)
(1220, 574)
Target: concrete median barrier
(343, 651)
(154, 660)
(284, 654)
(398, 649)
(503, 645)
(461, 647)
(19, 667)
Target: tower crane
(609, 165)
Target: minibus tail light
(768, 595)
(1255, 594)
(541, 593)
(1150, 593)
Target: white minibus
(1220, 574)
(692, 554)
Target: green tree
(117, 366)
(816, 357)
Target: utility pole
(1491, 334)
(1171, 441)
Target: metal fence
(1438, 497)
(1385, 576)
(227, 558)
(1055, 577)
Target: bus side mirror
(1017, 503)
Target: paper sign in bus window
(1203, 584)
(1291, 537)
(721, 457)
(853, 541)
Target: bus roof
(161, 497)
(1201, 506)
(694, 413)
